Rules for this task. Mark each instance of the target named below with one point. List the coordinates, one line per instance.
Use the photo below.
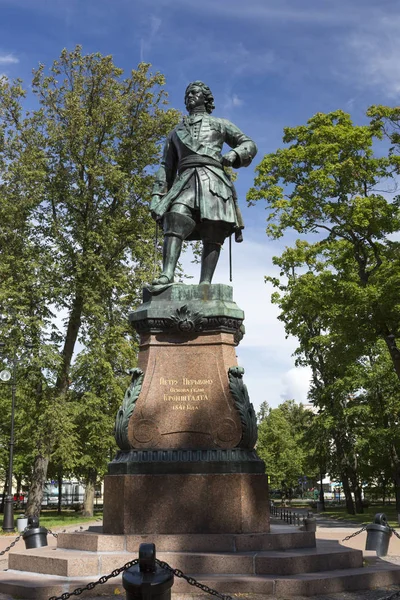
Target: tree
(99, 378)
(332, 177)
(279, 446)
(337, 290)
(76, 174)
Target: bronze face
(194, 98)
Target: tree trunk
(74, 323)
(347, 494)
(321, 492)
(357, 491)
(18, 479)
(60, 495)
(358, 498)
(385, 491)
(393, 350)
(396, 481)
(39, 475)
(37, 487)
(396, 475)
(3, 496)
(88, 501)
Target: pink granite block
(182, 504)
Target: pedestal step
(378, 574)
(73, 563)
(284, 562)
(280, 539)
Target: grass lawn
(340, 513)
(51, 519)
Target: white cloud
(262, 11)
(296, 383)
(378, 62)
(146, 43)
(371, 54)
(232, 101)
(240, 59)
(8, 59)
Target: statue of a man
(193, 195)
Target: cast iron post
(5, 376)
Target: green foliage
(338, 288)
(279, 445)
(76, 242)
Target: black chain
(363, 529)
(395, 533)
(177, 572)
(52, 533)
(395, 595)
(93, 584)
(192, 581)
(11, 545)
(354, 534)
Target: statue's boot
(209, 260)
(177, 228)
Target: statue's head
(201, 93)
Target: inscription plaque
(185, 395)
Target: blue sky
(270, 64)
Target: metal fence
(289, 516)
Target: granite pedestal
(186, 428)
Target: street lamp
(5, 377)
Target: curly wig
(209, 98)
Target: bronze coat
(206, 189)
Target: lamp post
(6, 376)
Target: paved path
(327, 529)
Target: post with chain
(378, 535)
(147, 580)
(310, 522)
(35, 536)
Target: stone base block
(186, 503)
(95, 541)
(378, 574)
(69, 563)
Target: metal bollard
(22, 523)
(310, 522)
(147, 580)
(378, 535)
(34, 536)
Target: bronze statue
(193, 196)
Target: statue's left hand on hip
(229, 158)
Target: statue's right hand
(155, 216)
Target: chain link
(52, 533)
(395, 595)
(11, 545)
(192, 581)
(363, 529)
(354, 534)
(395, 532)
(78, 591)
(177, 572)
